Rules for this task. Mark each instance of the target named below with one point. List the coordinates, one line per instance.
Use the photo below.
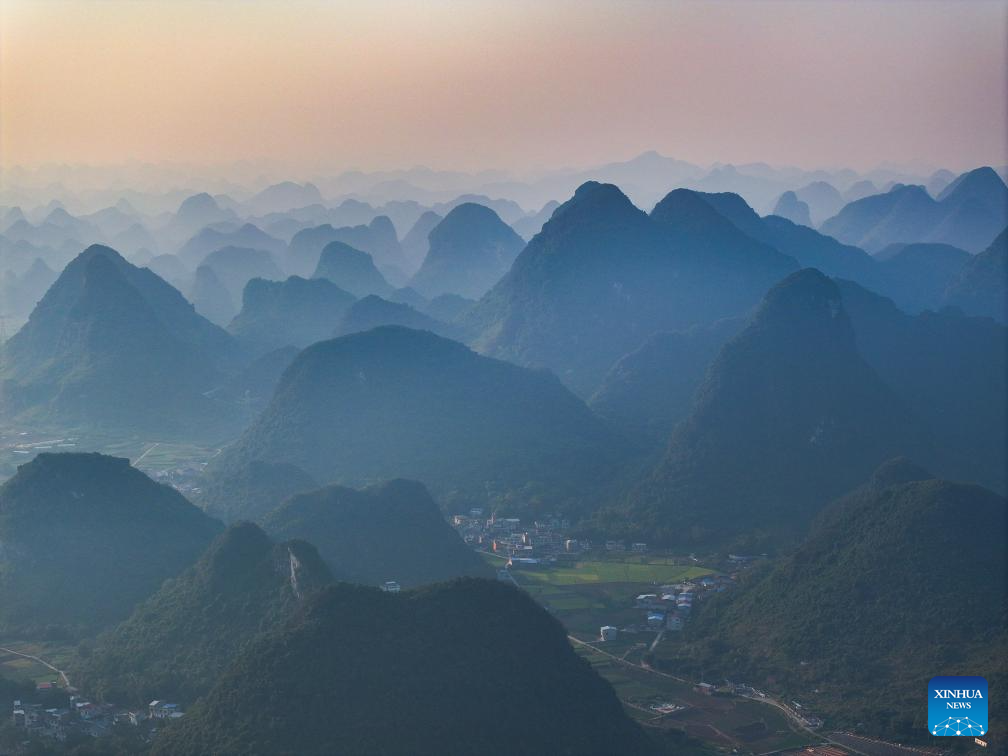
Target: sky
(515, 85)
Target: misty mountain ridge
(788, 416)
(602, 276)
(76, 358)
(969, 213)
(469, 251)
(398, 403)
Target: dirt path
(43, 662)
(139, 459)
(791, 717)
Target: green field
(641, 570)
(15, 667)
(588, 594)
(600, 591)
(19, 445)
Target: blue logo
(957, 706)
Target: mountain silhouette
(352, 270)
(115, 346)
(61, 511)
(389, 531)
(296, 312)
(602, 276)
(443, 634)
(470, 250)
(788, 417)
(394, 402)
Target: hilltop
(352, 270)
(469, 251)
(176, 643)
(389, 531)
(296, 312)
(602, 276)
(788, 416)
(393, 402)
(113, 345)
(844, 613)
(70, 516)
(445, 636)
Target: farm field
(725, 722)
(20, 445)
(588, 594)
(18, 668)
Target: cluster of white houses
(671, 606)
(543, 540)
(86, 717)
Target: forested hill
(432, 671)
(187, 633)
(902, 580)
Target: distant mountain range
(415, 243)
(950, 370)
(649, 391)
(788, 417)
(210, 239)
(981, 288)
(377, 238)
(469, 251)
(236, 266)
(352, 270)
(372, 312)
(296, 312)
(792, 208)
(75, 361)
(602, 276)
(969, 213)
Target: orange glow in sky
(516, 85)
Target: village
(545, 544)
(543, 560)
(77, 717)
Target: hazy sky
(514, 85)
